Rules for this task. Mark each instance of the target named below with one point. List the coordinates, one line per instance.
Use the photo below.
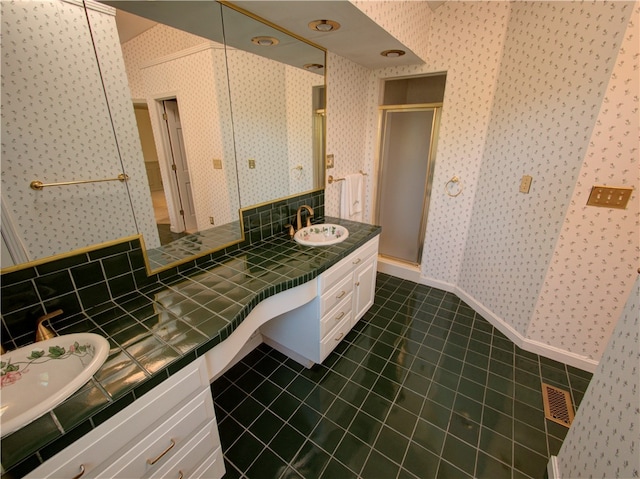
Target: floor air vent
(557, 405)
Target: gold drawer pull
(340, 316)
(341, 295)
(81, 472)
(181, 475)
(339, 337)
(151, 462)
(357, 283)
(356, 261)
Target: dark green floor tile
(530, 437)
(464, 428)
(352, 452)
(446, 378)
(527, 379)
(354, 394)
(300, 387)
(468, 408)
(420, 462)
(498, 422)
(378, 466)
(310, 460)
(409, 400)
(529, 415)
(305, 419)
(266, 365)
(376, 406)
(365, 427)
(266, 393)
(287, 442)
(392, 444)
(471, 389)
(365, 378)
(247, 411)
(401, 420)
(449, 471)
(230, 471)
(284, 405)
(529, 462)
(441, 395)
(428, 436)
(333, 382)
(327, 435)
(244, 451)
(230, 398)
(282, 376)
(230, 430)
(496, 445)
(267, 464)
(499, 401)
(336, 469)
(459, 453)
(436, 414)
(489, 468)
(266, 426)
(531, 397)
(417, 383)
(249, 381)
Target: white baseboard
(404, 271)
(552, 468)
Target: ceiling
(359, 38)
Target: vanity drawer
(110, 439)
(336, 335)
(347, 265)
(335, 295)
(164, 442)
(197, 451)
(334, 317)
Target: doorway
(408, 128)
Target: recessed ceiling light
(324, 25)
(265, 41)
(392, 53)
(313, 66)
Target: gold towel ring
(453, 181)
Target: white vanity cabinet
(345, 292)
(171, 431)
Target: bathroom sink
(321, 235)
(38, 377)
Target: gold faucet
(42, 332)
(299, 220)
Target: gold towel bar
(331, 179)
(38, 185)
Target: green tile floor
(422, 387)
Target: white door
(179, 164)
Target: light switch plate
(525, 184)
(217, 164)
(252, 163)
(329, 161)
(610, 196)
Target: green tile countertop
(157, 330)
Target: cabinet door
(364, 288)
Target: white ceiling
(359, 39)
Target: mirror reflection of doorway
(152, 166)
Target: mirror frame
(241, 211)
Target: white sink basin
(38, 377)
(321, 235)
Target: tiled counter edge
(194, 309)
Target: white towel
(351, 197)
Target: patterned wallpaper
(553, 75)
(603, 439)
(525, 82)
(598, 251)
(55, 127)
(406, 21)
(346, 108)
(164, 62)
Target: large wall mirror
(228, 110)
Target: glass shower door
(405, 172)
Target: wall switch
(329, 161)
(525, 183)
(217, 164)
(610, 196)
(252, 163)
(211, 220)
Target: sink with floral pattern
(321, 235)
(37, 377)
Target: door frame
(437, 113)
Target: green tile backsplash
(158, 324)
